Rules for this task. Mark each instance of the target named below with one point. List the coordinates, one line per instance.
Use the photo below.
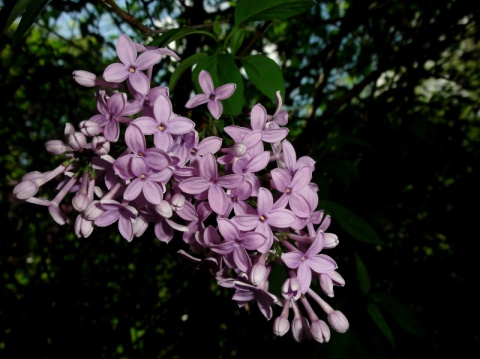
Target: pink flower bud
(331, 240)
(177, 201)
(291, 289)
(83, 227)
(300, 329)
(100, 145)
(258, 273)
(338, 321)
(84, 78)
(139, 226)
(77, 141)
(281, 326)
(57, 147)
(239, 149)
(164, 209)
(326, 284)
(93, 211)
(80, 201)
(320, 331)
(90, 128)
(25, 189)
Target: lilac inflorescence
(241, 209)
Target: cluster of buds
(240, 209)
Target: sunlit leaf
(34, 8)
(265, 75)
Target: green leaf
(265, 75)
(255, 10)
(352, 223)
(378, 319)
(175, 34)
(363, 278)
(236, 40)
(28, 9)
(10, 12)
(403, 314)
(183, 66)
(223, 70)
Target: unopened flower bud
(177, 201)
(57, 147)
(100, 145)
(80, 201)
(258, 273)
(331, 240)
(300, 329)
(338, 321)
(93, 211)
(164, 209)
(239, 149)
(320, 331)
(326, 284)
(139, 226)
(83, 227)
(25, 189)
(90, 128)
(281, 326)
(77, 141)
(291, 288)
(84, 78)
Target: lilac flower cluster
(241, 209)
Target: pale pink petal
(116, 73)
(225, 91)
(194, 185)
(258, 117)
(206, 83)
(217, 199)
(126, 51)
(197, 100)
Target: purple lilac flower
(267, 215)
(209, 181)
(211, 95)
(131, 66)
(295, 190)
(164, 125)
(115, 211)
(236, 244)
(308, 261)
(258, 120)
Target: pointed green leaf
(10, 12)
(265, 75)
(183, 66)
(352, 223)
(223, 70)
(403, 314)
(378, 319)
(236, 40)
(363, 278)
(175, 34)
(34, 8)
(255, 10)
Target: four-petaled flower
(308, 261)
(211, 95)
